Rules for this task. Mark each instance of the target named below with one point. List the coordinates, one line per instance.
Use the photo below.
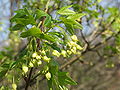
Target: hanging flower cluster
(73, 48)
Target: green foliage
(21, 19)
(66, 11)
(43, 53)
(40, 14)
(34, 31)
(46, 44)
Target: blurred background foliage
(100, 69)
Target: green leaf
(20, 14)
(53, 67)
(49, 38)
(12, 64)
(24, 21)
(66, 11)
(71, 24)
(40, 14)
(34, 31)
(23, 17)
(17, 27)
(50, 84)
(59, 34)
(78, 26)
(23, 53)
(34, 44)
(63, 87)
(76, 16)
(70, 28)
(26, 11)
(5, 65)
(54, 46)
(47, 21)
(64, 79)
(3, 73)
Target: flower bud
(79, 47)
(74, 38)
(45, 58)
(39, 62)
(38, 57)
(48, 75)
(56, 53)
(31, 64)
(69, 52)
(64, 53)
(74, 50)
(34, 55)
(24, 68)
(43, 52)
(34, 60)
(14, 86)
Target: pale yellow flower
(39, 62)
(43, 52)
(34, 55)
(64, 53)
(69, 52)
(24, 68)
(14, 86)
(45, 58)
(48, 75)
(56, 53)
(74, 38)
(73, 50)
(79, 47)
(38, 57)
(31, 64)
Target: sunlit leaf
(76, 16)
(34, 31)
(66, 11)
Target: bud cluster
(37, 58)
(73, 48)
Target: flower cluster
(37, 58)
(73, 48)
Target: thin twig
(83, 37)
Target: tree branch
(28, 79)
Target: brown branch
(73, 59)
(98, 34)
(76, 58)
(28, 79)
(70, 62)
